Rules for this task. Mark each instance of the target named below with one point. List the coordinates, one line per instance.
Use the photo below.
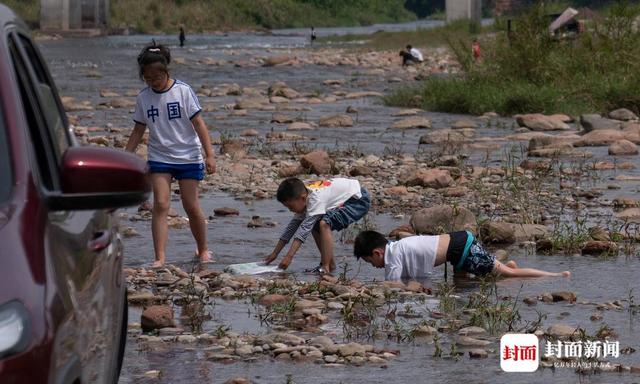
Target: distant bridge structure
(74, 15)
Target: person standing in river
(313, 35)
(177, 138)
(182, 37)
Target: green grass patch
(421, 37)
(532, 71)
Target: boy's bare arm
(284, 264)
(274, 255)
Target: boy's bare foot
(566, 274)
(511, 264)
(157, 264)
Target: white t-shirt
(415, 53)
(168, 114)
(329, 194)
(412, 257)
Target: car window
(47, 169)
(48, 101)
(6, 177)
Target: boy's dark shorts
(353, 210)
(178, 171)
(477, 260)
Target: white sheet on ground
(251, 268)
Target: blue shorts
(178, 171)
(351, 211)
(476, 259)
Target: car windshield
(6, 179)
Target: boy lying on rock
(415, 256)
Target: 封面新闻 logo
(519, 352)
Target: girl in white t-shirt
(177, 138)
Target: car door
(83, 251)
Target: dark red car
(63, 306)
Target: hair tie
(153, 50)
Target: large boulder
(156, 317)
(441, 219)
(317, 162)
(594, 122)
(431, 178)
(446, 136)
(623, 114)
(276, 60)
(622, 148)
(412, 123)
(498, 232)
(539, 122)
(336, 121)
(600, 138)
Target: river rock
(226, 211)
(496, 232)
(304, 304)
(156, 317)
(625, 202)
(317, 162)
(407, 112)
(430, 178)
(594, 247)
(623, 114)
(360, 170)
(238, 380)
(108, 93)
(412, 123)
(276, 60)
(288, 93)
(467, 341)
(351, 349)
(594, 122)
(562, 331)
(600, 138)
(563, 296)
(462, 124)
(478, 354)
(539, 122)
(323, 342)
(442, 219)
(282, 119)
(269, 300)
(336, 121)
(300, 126)
(424, 330)
(472, 331)
(623, 148)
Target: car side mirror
(100, 178)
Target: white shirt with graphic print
(168, 114)
(412, 257)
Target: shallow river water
(594, 279)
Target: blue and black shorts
(351, 211)
(467, 254)
(178, 171)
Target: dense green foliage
(531, 71)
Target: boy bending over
(320, 207)
(416, 256)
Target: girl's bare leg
(161, 183)
(189, 196)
